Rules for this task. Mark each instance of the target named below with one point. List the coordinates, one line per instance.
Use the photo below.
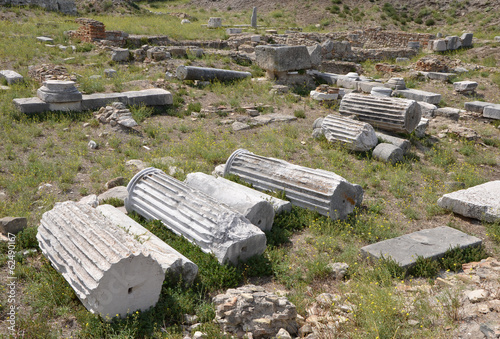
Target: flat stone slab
(430, 244)
(31, 105)
(149, 97)
(479, 202)
(492, 112)
(477, 106)
(98, 100)
(465, 86)
(45, 39)
(439, 75)
(11, 77)
(418, 95)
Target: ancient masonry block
(89, 30)
(356, 135)
(279, 58)
(209, 74)
(429, 243)
(392, 114)
(254, 205)
(188, 212)
(110, 271)
(480, 202)
(492, 112)
(11, 77)
(314, 189)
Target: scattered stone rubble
(250, 309)
(49, 72)
(116, 114)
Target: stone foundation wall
(64, 6)
(90, 30)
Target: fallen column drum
(110, 271)
(387, 113)
(315, 189)
(188, 212)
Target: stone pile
(89, 30)
(49, 72)
(431, 64)
(116, 115)
(325, 192)
(250, 309)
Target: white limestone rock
(480, 202)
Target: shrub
(455, 257)
(429, 22)
(299, 114)
(116, 202)
(425, 268)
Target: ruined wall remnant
(89, 30)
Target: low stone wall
(89, 30)
(64, 6)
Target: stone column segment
(325, 192)
(110, 271)
(188, 212)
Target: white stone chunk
(280, 58)
(254, 205)
(477, 106)
(465, 86)
(404, 144)
(60, 91)
(110, 271)
(11, 77)
(45, 39)
(188, 212)
(356, 135)
(418, 95)
(120, 54)
(214, 22)
(492, 112)
(318, 190)
(381, 92)
(479, 202)
(149, 97)
(320, 96)
(171, 261)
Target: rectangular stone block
(45, 39)
(429, 243)
(440, 76)
(492, 112)
(149, 97)
(480, 202)
(11, 77)
(75, 106)
(418, 95)
(279, 58)
(98, 100)
(477, 106)
(31, 105)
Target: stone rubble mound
(116, 114)
(250, 309)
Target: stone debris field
(349, 95)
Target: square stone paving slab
(430, 243)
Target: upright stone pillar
(254, 17)
(110, 271)
(188, 212)
(387, 113)
(315, 189)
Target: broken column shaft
(209, 74)
(251, 203)
(391, 114)
(214, 227)
(314, 189)
(110, 271)
(356, 135)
